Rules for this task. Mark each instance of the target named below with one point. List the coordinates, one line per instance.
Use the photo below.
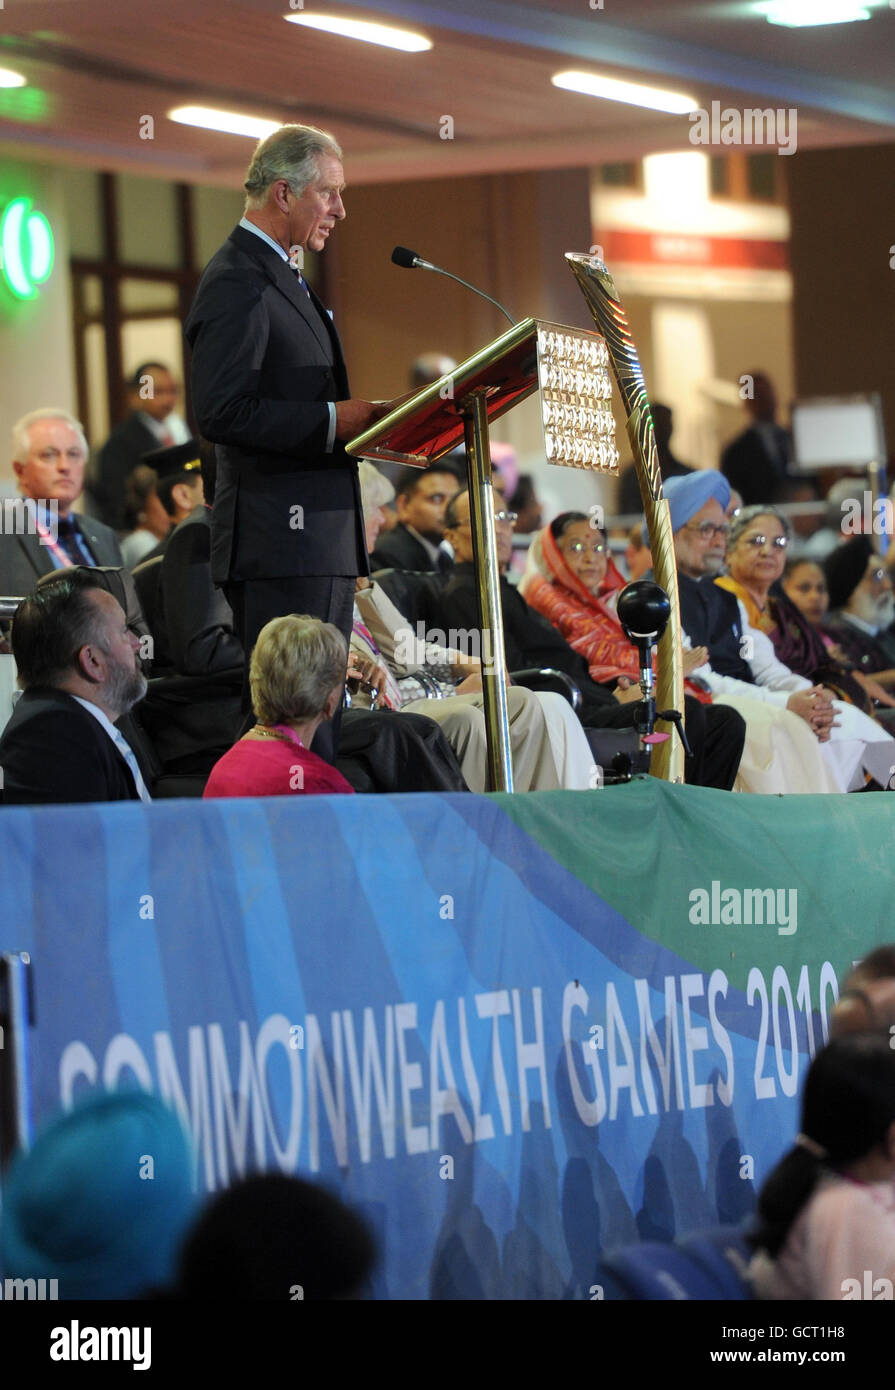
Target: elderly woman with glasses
(784, 650)
(572, 580)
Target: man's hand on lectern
(353, 417)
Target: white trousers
(548, 745)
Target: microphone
(643, 609)
(409, 260)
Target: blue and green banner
(513, 1031)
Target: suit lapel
(36, 554)
(280, 273)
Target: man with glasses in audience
(43, 533)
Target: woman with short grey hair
(296, 675)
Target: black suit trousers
(256, 601)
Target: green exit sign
(26, 248)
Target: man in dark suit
(757, 463)
(270, 390)
(50, 454)
(150, 425)
(414, 543)
(77, 664)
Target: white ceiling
(95, 67)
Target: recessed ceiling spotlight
(228, 122)
(800, 14)
(364, 30)
(676, 103)
(8, 78)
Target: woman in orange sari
(572, 580)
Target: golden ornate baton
(598, 288)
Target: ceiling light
(228, 122)
(8, 78)
(364, 30)
(613, 90)
(798, 14)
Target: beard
(875, 612)
(125, 687)
(712, 564)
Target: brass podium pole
(487, 578)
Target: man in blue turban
(102, 1201)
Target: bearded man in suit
(43, 532)
(270, 390)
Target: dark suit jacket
(23, 560)
(399, 550)
(197, 715)
(266, 359)
(192, 617)
(53, 750)
(710, 616)
(117, 459)
(748, 467)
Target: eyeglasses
(581, 548)
(778, 542)
(708, 530)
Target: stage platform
(513, 1030)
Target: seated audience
(179, 486)
(296, 674)
(573, 581)
(798, 643)
(757, 545)
(549, 747)
(716, 736)
(860, 588)
(145, 519)
(49, 455)
(804, 584)
(826, 1214)
(79, 671)
(414, 544)
(151, 424)
(82, 1206)
(279, 1238)
(784, 729)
